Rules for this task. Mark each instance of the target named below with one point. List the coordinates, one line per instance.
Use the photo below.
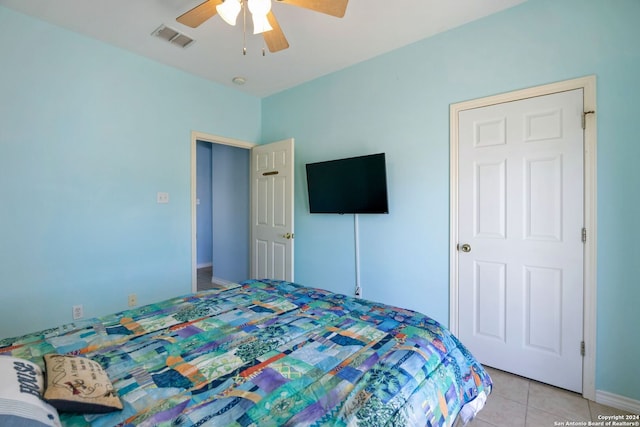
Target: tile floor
(204, 278)
(516, 401)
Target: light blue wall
(204, 216)
(89, 134)
(399, 103)
(231, 212)
(78, 119)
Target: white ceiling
(319, 44)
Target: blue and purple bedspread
(271, 353)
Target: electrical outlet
(78, 312)
(133, 300)
(162, 197)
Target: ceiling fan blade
(275, 39)
(199, 14)
(330, 7)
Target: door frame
(214, 139)
(588, 84)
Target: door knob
(465, 248)
(288, 236)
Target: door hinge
(584, 118)
(583, 350)
(584, 235)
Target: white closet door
(521, 217)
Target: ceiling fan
(264, 20)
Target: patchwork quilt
(270, 353)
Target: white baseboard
(219, 281)
(618, 402)
(205, 265)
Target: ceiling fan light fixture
(264, 20)
(229, 11)
(259, 10)
(261, 24)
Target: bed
(270, 353)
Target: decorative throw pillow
(78, 384)
(21, 385)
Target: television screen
(354, 185)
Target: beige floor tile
(541, 404)
(479, 423)
(510, 386)
(501, 411)
(537, 417)
(565, 404)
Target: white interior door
(272, 186)
(521, 216)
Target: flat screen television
(356, 185)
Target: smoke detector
(239, 80)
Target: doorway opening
(228, 203)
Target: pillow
(78, 384)
(21, 385)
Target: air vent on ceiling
(173, 36)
